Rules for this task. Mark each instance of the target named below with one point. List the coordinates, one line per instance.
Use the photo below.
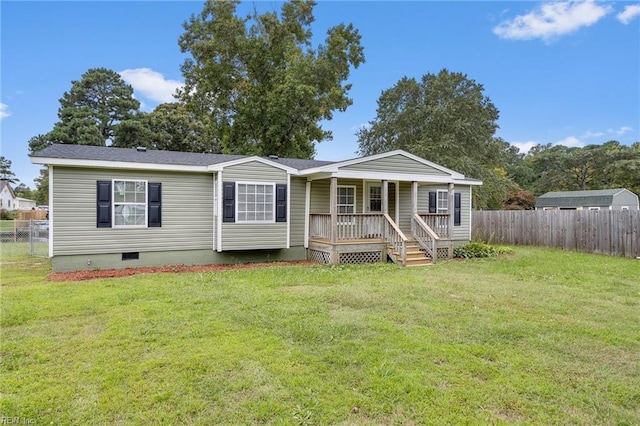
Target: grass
(540, 337)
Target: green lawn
(540, 337)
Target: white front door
(373, 197)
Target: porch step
(415, 255)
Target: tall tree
(447, 119)
(260, 81)
(5, 171)
(91, 110)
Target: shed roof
(570, 199)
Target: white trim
(116, 164)
(470, 212)
(307, 207)
(334, 167)
(438, 208)
(371, 175)
(273, 207)
(219, 218)
(50, 210)
(214, 210)
(288, 209)
(221, 166)
(113, 204)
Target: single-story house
(7, 196)
(9, 201)
(601, 199)
(121, 207)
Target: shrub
(477, 249)
(7, 215)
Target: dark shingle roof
(132, 155)
(600, 197)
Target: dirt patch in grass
(125, 272)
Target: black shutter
(457, 208)
(154, 205)
(228, 201)
(432, 202)
(281, 203)
(103, 204)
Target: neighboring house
(601, 199)
(9, 201)
(116, 207)
(7, 196)
(24, 204)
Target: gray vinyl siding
(254, 236)
(625, 198)
(296, 211)
(461, 232)
(320, 189)
(187, 213)
(395, 164)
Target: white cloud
(621, 131)
(524, 147)
(589, 134)
(570, 141)
(551, 20)
(4, 111)
(630, 12)
(151, 84)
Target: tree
(447, 119)
(519, 200)
(41, 194)
(91, 110)
(260, 83)
(23, 191)
(5, 171)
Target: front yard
(540, 337)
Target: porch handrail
(349, 226)
(394, 236)
(438, 222)
(425, 236)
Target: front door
(373, 197)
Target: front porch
(372, 237)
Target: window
(346, 199)
(624, 208)
(442, 202)
(594, 208)
(375, 199)
(129, 203)
(255, 202)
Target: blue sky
(563, 72)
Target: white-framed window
(624, 208)
(129, 203)
(442, 202)
(375, 198)
(255, 202)
(594, 208)
(346, 202)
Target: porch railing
(438, 222)
(348, 227)
(396, 238)
(425, 236)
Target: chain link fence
(24, 238)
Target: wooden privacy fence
(605, 231)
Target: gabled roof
(5, 184)
(599, 197)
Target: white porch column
(333, 206)
(385, 197)
(451, 206)
(414, 204)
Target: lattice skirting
(361, 257)
(443, 252)
(319, 256)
